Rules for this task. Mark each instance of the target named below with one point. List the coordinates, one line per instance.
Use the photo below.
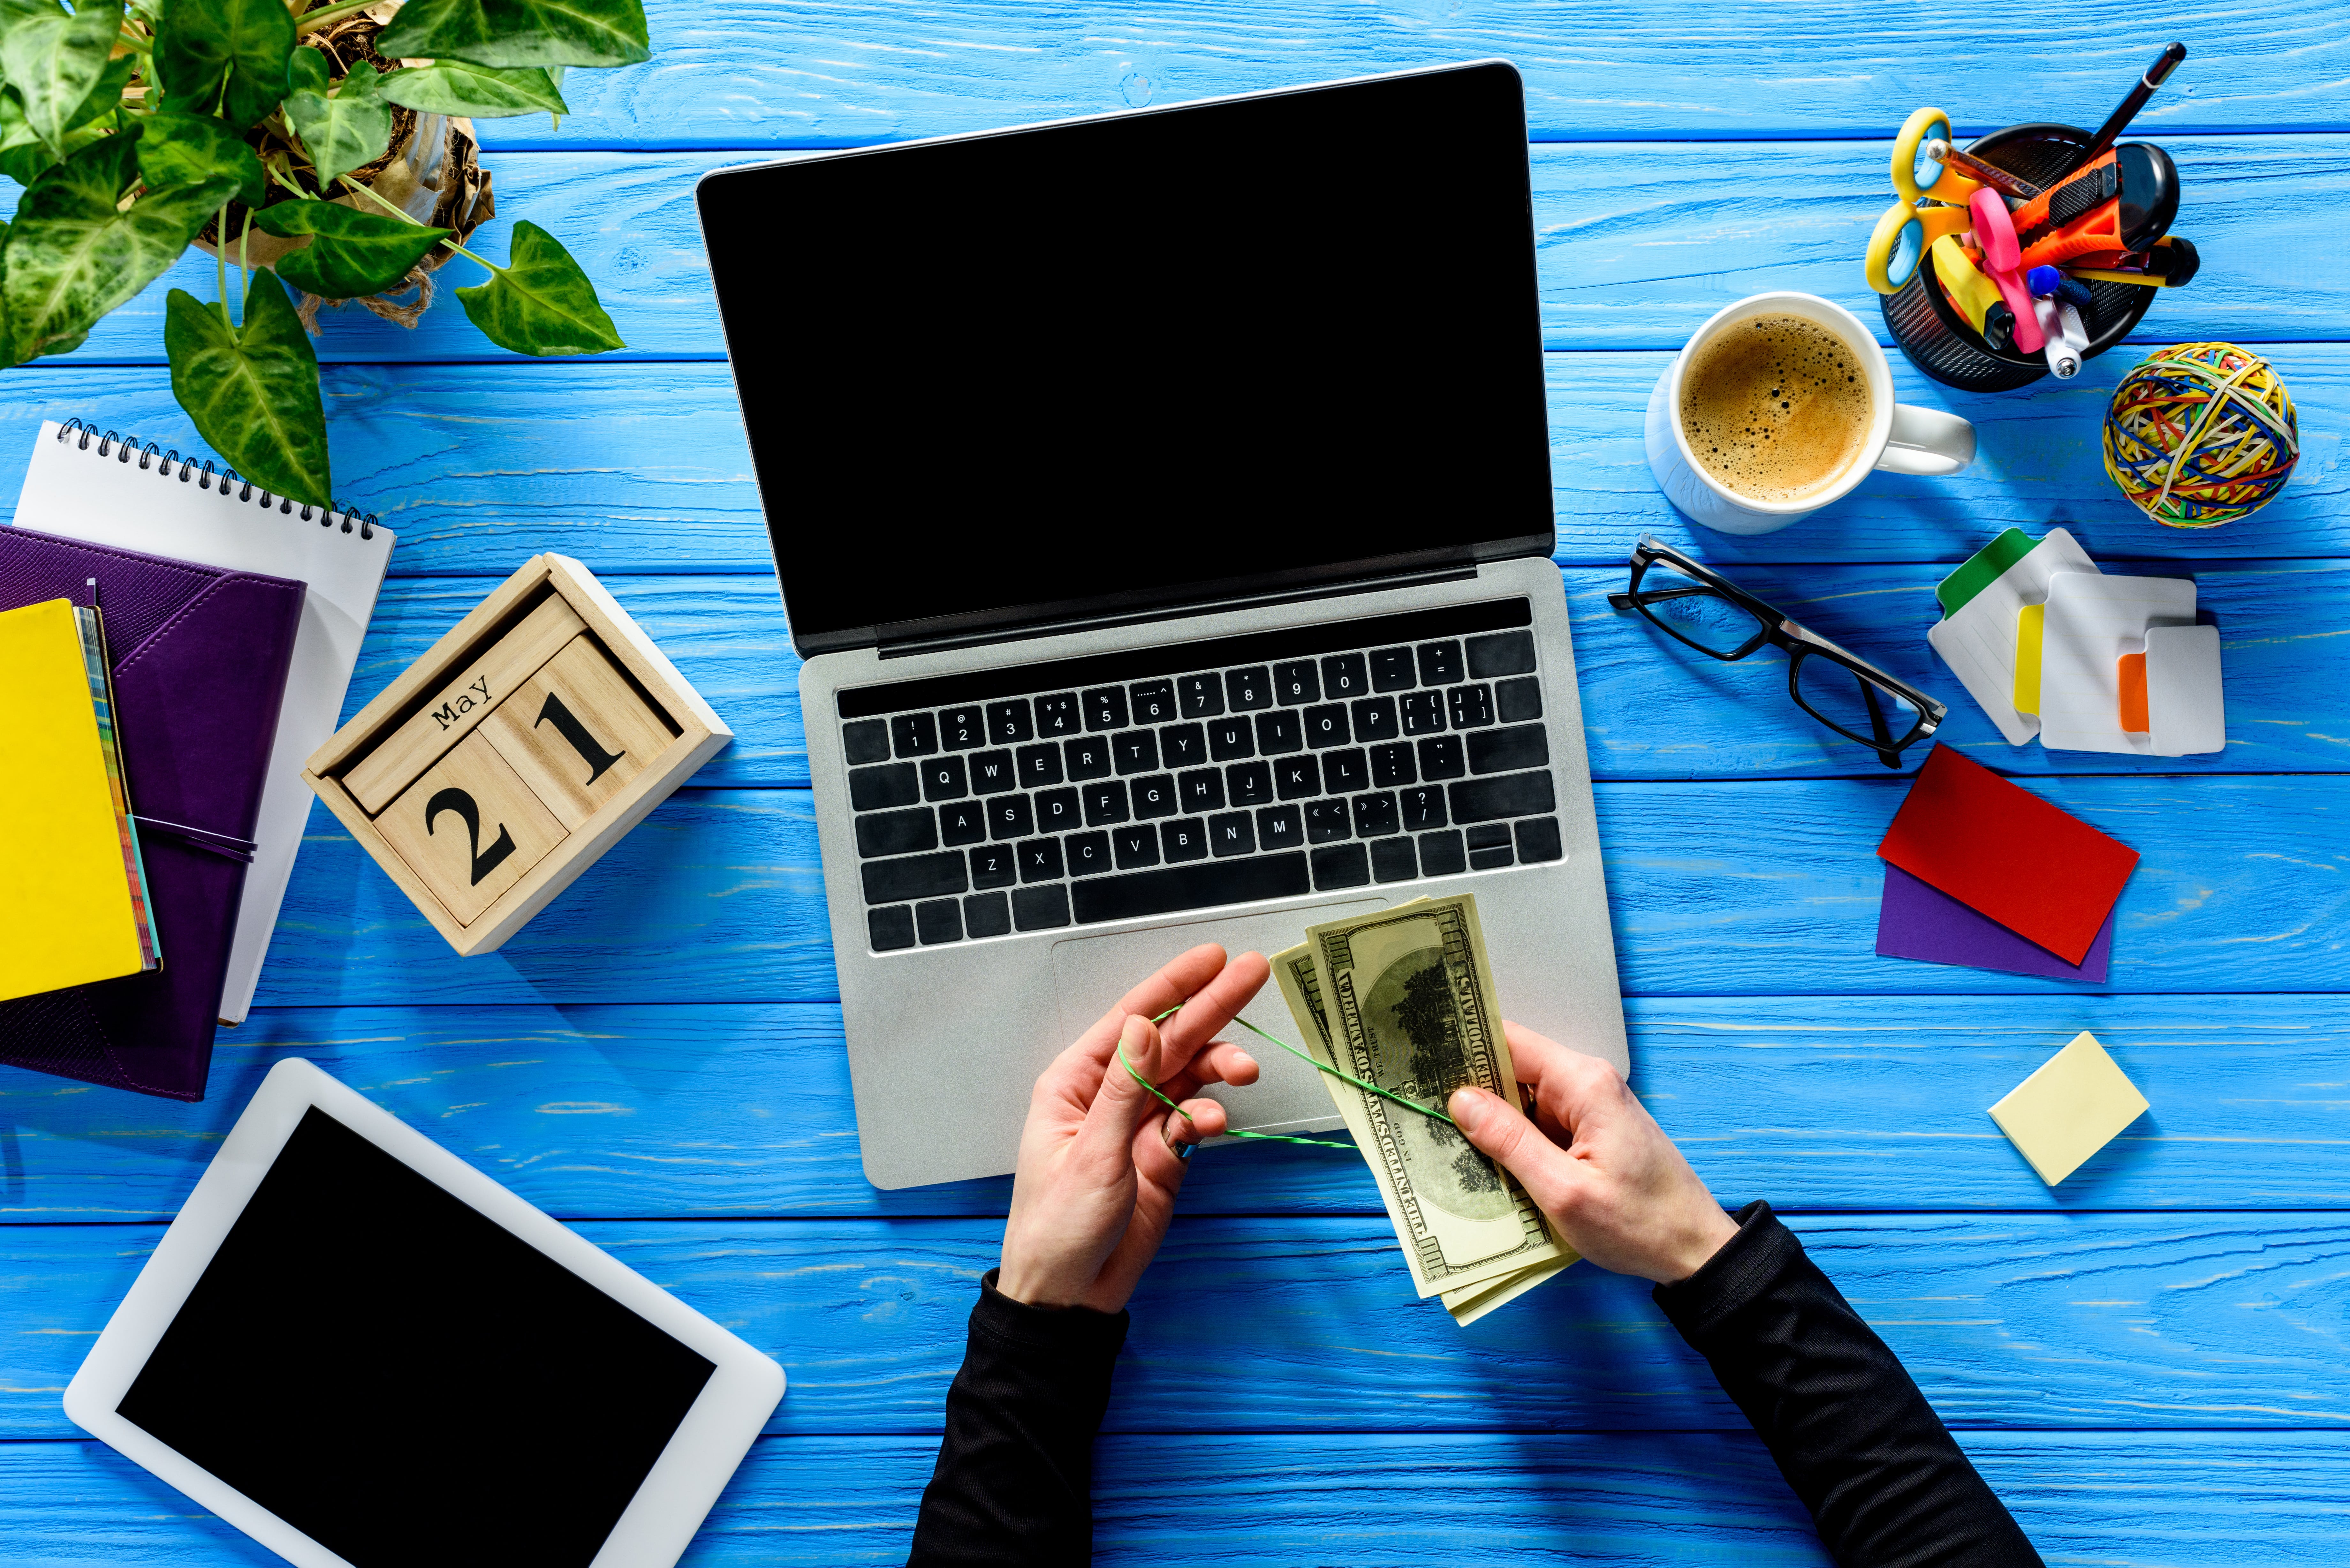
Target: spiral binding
(121, 448)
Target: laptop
(1162, 503)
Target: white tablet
(360, 1351)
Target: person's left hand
(1099, 1170)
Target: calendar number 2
(470, 813)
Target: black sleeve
(1885, 1482)
(1015, 1478)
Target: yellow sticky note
(2028, 622)
(2077, 1103)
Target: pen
(1967, 163)
(2119, 121)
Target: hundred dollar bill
(1404, 998)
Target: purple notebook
(200, 658)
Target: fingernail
(1468, 1108)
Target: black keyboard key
(1008, 723)
(1343, 865)
(1229, 740)
(1250, 784)
(1248, 690)
(1505, 750)
(1519, 699)
(1440, 854)
(897, 832)
(1297, 778)
(891, 783)
(1423, 808)
(1296, 683)
(1182, 745)
(1088, 854)
(1105, 803)
(1280, 827)
(1202, 696)
(1040, 765)
(1491, 836)
(1441, 757)
(1344, 773)
(963, 822)
(1375, 720)
(914, 876)
(1501, 654)
(890, 929)
(991, 773)
(1507, 795)
(940, 920)
(1200, 791)
(944, 779)
(994, 866)
(1203, 886)
(1345, 676)
(1135, 848)
(1056, 810)
(1040, 861)
(1105, 708)
(1153, 700)
(1374, 815)
(1423, 712)
(914, 734)
(1327, 726)
(1040, 908)
(1326, 820)
(1391, 669)
(1391, 861)
(1470, 707)
(1538, 841)
(962, 729)
(1086, 758)
(1392, 765)
(1183, 840)
(1440, 663)
(1011, 818)
(1136, 751)
(1058, 715)
(1154, 796)
(986, 915)
(1231, 834)
(1277, 732)
(866, 741)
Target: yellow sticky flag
(2028, 622)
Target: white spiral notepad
(85, 485)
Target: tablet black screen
(405, 1381)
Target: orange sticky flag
(2133, 693)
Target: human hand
(1099, 1164)
(1598, 1163)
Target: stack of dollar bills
(1404, 999)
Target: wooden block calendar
(521, 746)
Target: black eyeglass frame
(1776, 629)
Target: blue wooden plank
(641, 1111)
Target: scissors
(1909, 227)
(1918, 178)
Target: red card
(2003, 852)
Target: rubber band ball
(2201, 435)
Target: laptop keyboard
(1270, 765)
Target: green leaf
(54, 58)
(346, 131)
(72, 256)
(453, 87)
(542, 304)
(176, 150)
(350, 252)
(307, 70)
(253, 393)
(22, 156)
(234, 51)
(514, 33)
(107, 96)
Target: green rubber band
(1321, 1067)
(1265, 1137)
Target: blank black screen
(405, 1381)
(1141, 359)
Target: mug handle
(1927, 441)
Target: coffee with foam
(1776, 407)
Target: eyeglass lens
(1840, 698)
(1702, 617)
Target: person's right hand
(1598, 1163)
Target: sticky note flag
(2002, 851)
(1980, 601)
(2028, 621)
(2078, 1102)
(2091, 622)
(2185, 712)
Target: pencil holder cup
(1936, 336)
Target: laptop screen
(1152, 358)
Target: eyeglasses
(1709, 613)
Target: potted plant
(327, 144)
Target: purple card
(1917, 922)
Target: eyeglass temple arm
(1655, 596)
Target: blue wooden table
(2148, 1363)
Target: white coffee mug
(1902, 439)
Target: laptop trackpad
(1090, 973)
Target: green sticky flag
(1982, 569)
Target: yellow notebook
(73, 889)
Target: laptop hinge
(907, 646)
